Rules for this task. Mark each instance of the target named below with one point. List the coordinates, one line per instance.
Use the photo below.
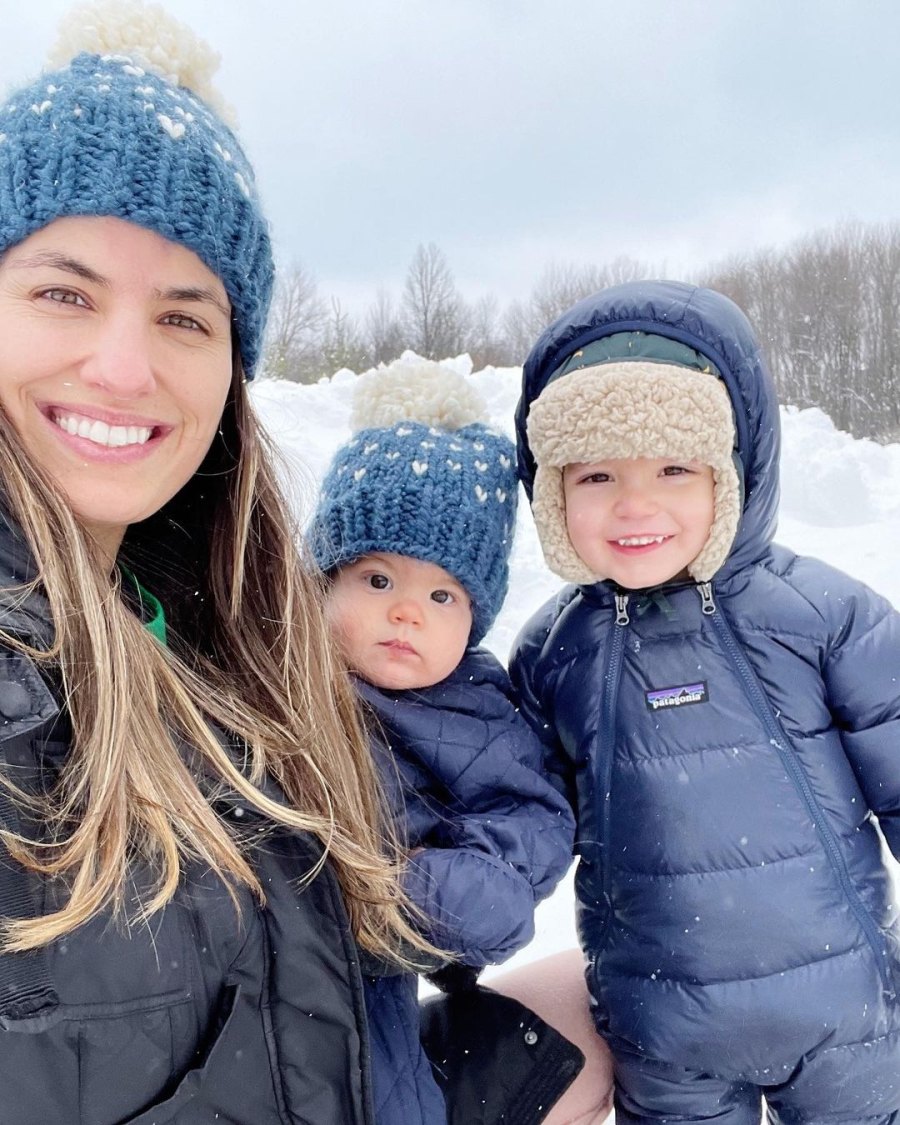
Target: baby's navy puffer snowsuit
(491, 839)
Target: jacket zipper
(779, 738)
(612, 675)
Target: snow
(840, 502)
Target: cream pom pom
(150, 37)
(419, 391)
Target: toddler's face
(638, 522)
(402, 623)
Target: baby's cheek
(342, 626)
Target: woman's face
(115, 364)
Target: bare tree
(485, 339)
(343, 344)
(559, 287)
(384, 332)
(432, 315)
(296, 325)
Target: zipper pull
(705, 591)
(622, 617)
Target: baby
(413, 531)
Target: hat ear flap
(727, 507)
(548, 507)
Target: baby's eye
(596, 478)
(63, 296)
(378, 581)
(182, 320)
(442, 597)
(675, 470)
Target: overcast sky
(516, 133)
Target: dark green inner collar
(635, 345)
(150, 608)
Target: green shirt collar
(152, 613)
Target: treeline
(827, 308)
(311, 336)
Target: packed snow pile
(840, 501)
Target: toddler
(724, 717)
(413, 530)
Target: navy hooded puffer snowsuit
(739, 920)
(490, 838)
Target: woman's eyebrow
(195, 293)
(80, 269)
(61, 262)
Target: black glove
(496, 1062)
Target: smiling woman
(168, 687)
(115, 365)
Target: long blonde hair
(249, 651)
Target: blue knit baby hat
(127, 125)
(423, 476)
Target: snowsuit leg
(404, 1089)
(648, 1092)
(843, 1085)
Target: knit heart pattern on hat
(127, 126)
(423, 476)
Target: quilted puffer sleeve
(489, 836)
(861, 670)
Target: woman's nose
(119, 361)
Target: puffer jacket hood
(714, 326)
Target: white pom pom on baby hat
(423, 476)
(416, 390)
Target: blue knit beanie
(423, 476)
(128, 127)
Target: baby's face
(641, 521)
(402, 623)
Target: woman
(175, 765)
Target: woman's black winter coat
(197, 1016)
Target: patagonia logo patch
(679, 696)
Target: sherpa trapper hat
(423, 476)
(126, 123)
(624, 409)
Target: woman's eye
(378, 581)
(182, 320)
(63, 297)
(442, 597)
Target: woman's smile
(103, 435)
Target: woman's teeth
(100, 433)
(641, 540)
